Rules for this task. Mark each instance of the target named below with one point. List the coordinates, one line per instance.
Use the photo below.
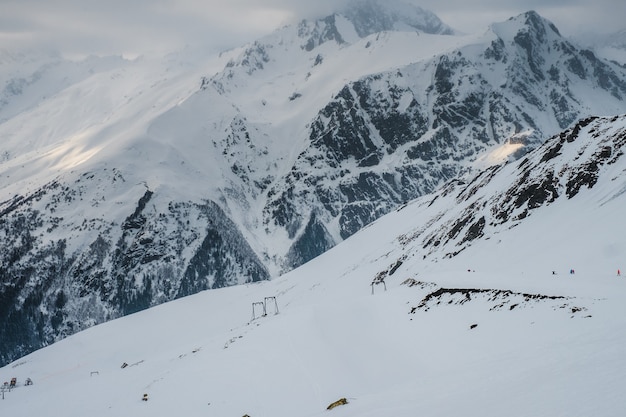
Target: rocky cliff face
(303, 138)
(393, 136)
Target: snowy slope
(490, 331)
(102, 104)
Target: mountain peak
(371, 16)
(537, 22)
(529, 22)
(361, 18)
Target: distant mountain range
(130, 183)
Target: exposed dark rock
(314, 241)
(496, 299)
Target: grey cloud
(570, 16)
(140, 26)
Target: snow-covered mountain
(393, 136)
(389, 322)
(130, 183)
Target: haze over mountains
(130, 183)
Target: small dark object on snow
(473, 326)
(28, 381)
(124, 365)
(145, 397)
(13, 382)
(341, 401)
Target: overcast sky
(132, 27)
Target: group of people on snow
(572, 272)
(13, 382)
